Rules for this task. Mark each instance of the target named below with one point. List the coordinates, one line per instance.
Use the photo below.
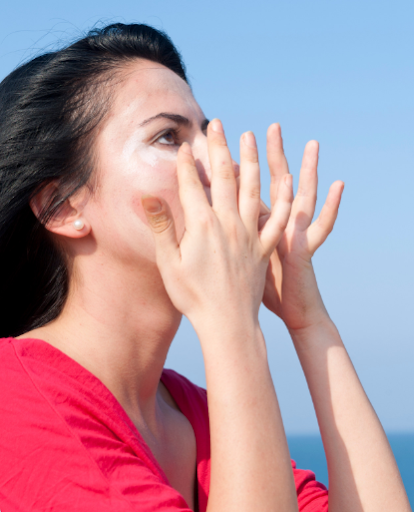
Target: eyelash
(171, 131)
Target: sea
(308, 453)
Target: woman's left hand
(363, 473)
(291, 291)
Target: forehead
(148, 88)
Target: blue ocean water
(308, 453)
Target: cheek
(120, 221)
(160, 181)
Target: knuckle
(252, 157)
(187, 172)
(219, 140)
(303, 191)
(225, 171)
(232, 227)
(274, 180)
(325, 226)
(206, 220)
(192, 180)
(254, 193)
(280, 225)
(281, 222)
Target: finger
(249, 194)
(318, 232)
(303, 207)
(223, 180)
(191, 191)
(162, 226)
(276, 159)
(264, 215)
(236, 168)
(274, 228)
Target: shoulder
(64, 439)
(12, 370)
(6, 343)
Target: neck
(119, 325)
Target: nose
(200, 152)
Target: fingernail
(151, 204)
(217, 126)
(250, 140)
(185, 147)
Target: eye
(167, 138)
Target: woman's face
(153, 113)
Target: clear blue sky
(339, 72)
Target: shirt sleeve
(192, 400)
(312, 495)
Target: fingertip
(274, 131)
(186, 148)
(313, 145)
(338, 185)
(335, 194)
(275, 127)
(216, 125)
(249, 139)
(185, 158)
(152, 205)
(158, 214)
(341, 189)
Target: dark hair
(49, 110)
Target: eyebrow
(180, 120)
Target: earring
(78, 224)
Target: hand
(291, 291)
(218, 268)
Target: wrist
(221, 336)
(224, 321)
(321, 332)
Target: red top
(66, 443)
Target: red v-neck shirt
(67, 445)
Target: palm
(291, 291)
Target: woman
(120, 212)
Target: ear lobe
(67, 221)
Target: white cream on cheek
(135, 149)
(149, 170)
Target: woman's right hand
(219, 266)
(215, 275)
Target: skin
(170, 232)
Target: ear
(63, 221)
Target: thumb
(161, 223)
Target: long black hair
(50, 108)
